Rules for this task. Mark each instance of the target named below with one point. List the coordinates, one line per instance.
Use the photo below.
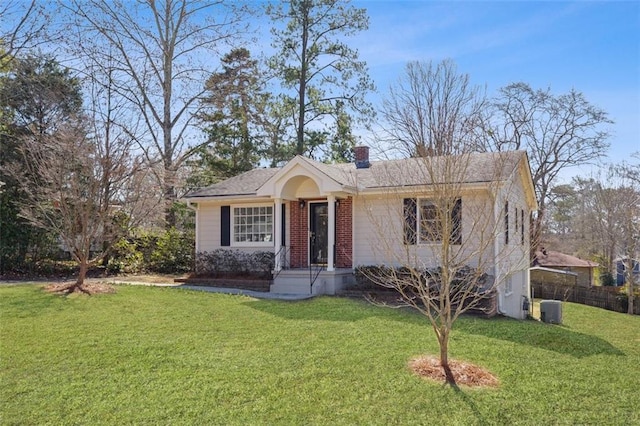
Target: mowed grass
(167, 356)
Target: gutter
(193, 207)
(496, 249)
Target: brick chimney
(361, 153)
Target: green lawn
(166, 356)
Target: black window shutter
(506, 222)
(284, 222)
(456, 221)
(522, 226)
(410, 220)
(225, 226)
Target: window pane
(429, 223)
(253, 224)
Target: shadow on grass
(471, 404)
(331, 309)
(539, 335)
(23, 301)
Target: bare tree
(28, 23)
(558, 132)
(462, 220)
(161, 52)
(124, 175)
(73, 190)
(624, 181)
(432, 110)
(608, 220)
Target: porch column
(331, 230)
(277, 233)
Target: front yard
(167, 356)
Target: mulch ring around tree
(465, 374)
(88, 288)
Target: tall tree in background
(122, 168)
(624, 180)
(233, 116)
(316, 65)
(343, 141)
(40, 94)
(37, 96)
(277, 124)
(558, 132)
(630, 173)
(160, 52)
(432, 110)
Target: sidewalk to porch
(224, 290)
(250, 293)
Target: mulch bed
(465, 374)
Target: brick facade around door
(299, 234)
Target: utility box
(551, 311)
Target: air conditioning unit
(551, 311)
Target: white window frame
(420, 201)
(420, 240)
(508, 285)
(235, 243)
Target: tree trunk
(79, 284)
(302, 86)
(82, 274)
(443, 340)
(629, 279)
(169, 212)
(169, 194)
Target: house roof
(548, 258)
(469, 169)
(246, 183)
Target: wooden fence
(601, 297)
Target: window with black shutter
(423, 221)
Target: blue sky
(591, 46)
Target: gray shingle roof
(246, 183)
(469, 168)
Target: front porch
(312, 230)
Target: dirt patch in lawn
(465, 374)
(88, 288)
(149, 278)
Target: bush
(173, 252)
(607, 279)
(235, 263)
(169, 251)
(371, 276)
(125, 257)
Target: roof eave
(480, 185)
(251, 195)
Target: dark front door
(319, 219)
